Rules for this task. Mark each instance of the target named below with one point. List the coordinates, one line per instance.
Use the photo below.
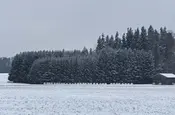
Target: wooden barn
(164, 79)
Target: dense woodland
(5, 65)
(133, 58)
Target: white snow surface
(168, 75)
(85, 99)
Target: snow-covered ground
(76, 99)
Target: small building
(164, 79)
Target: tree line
(133, 58)
(5, 64)
(161, 44)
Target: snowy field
(64, 99)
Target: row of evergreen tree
(134, 58)
(160, 43)
(109, 66)
(22, 62)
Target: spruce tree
(143, 39)
(136, 40)
(111, 42)
(129, 37)
(124, 43)
(151, 39)
(117, 42)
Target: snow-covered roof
(168, 75)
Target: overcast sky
(27, 25)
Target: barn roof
(168, 75)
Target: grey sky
(27, 25)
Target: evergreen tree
(100, 43)
(129, 37)
(84, 51)
(156, 49)
(143, 39)
(151, 39)
(136, 40)
(124, 44)
(111, 42)
(117, 42)
(90, 51)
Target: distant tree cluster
(134, 58)
(5, 65)
(160, 43)
(22, 63)
(109, 66)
